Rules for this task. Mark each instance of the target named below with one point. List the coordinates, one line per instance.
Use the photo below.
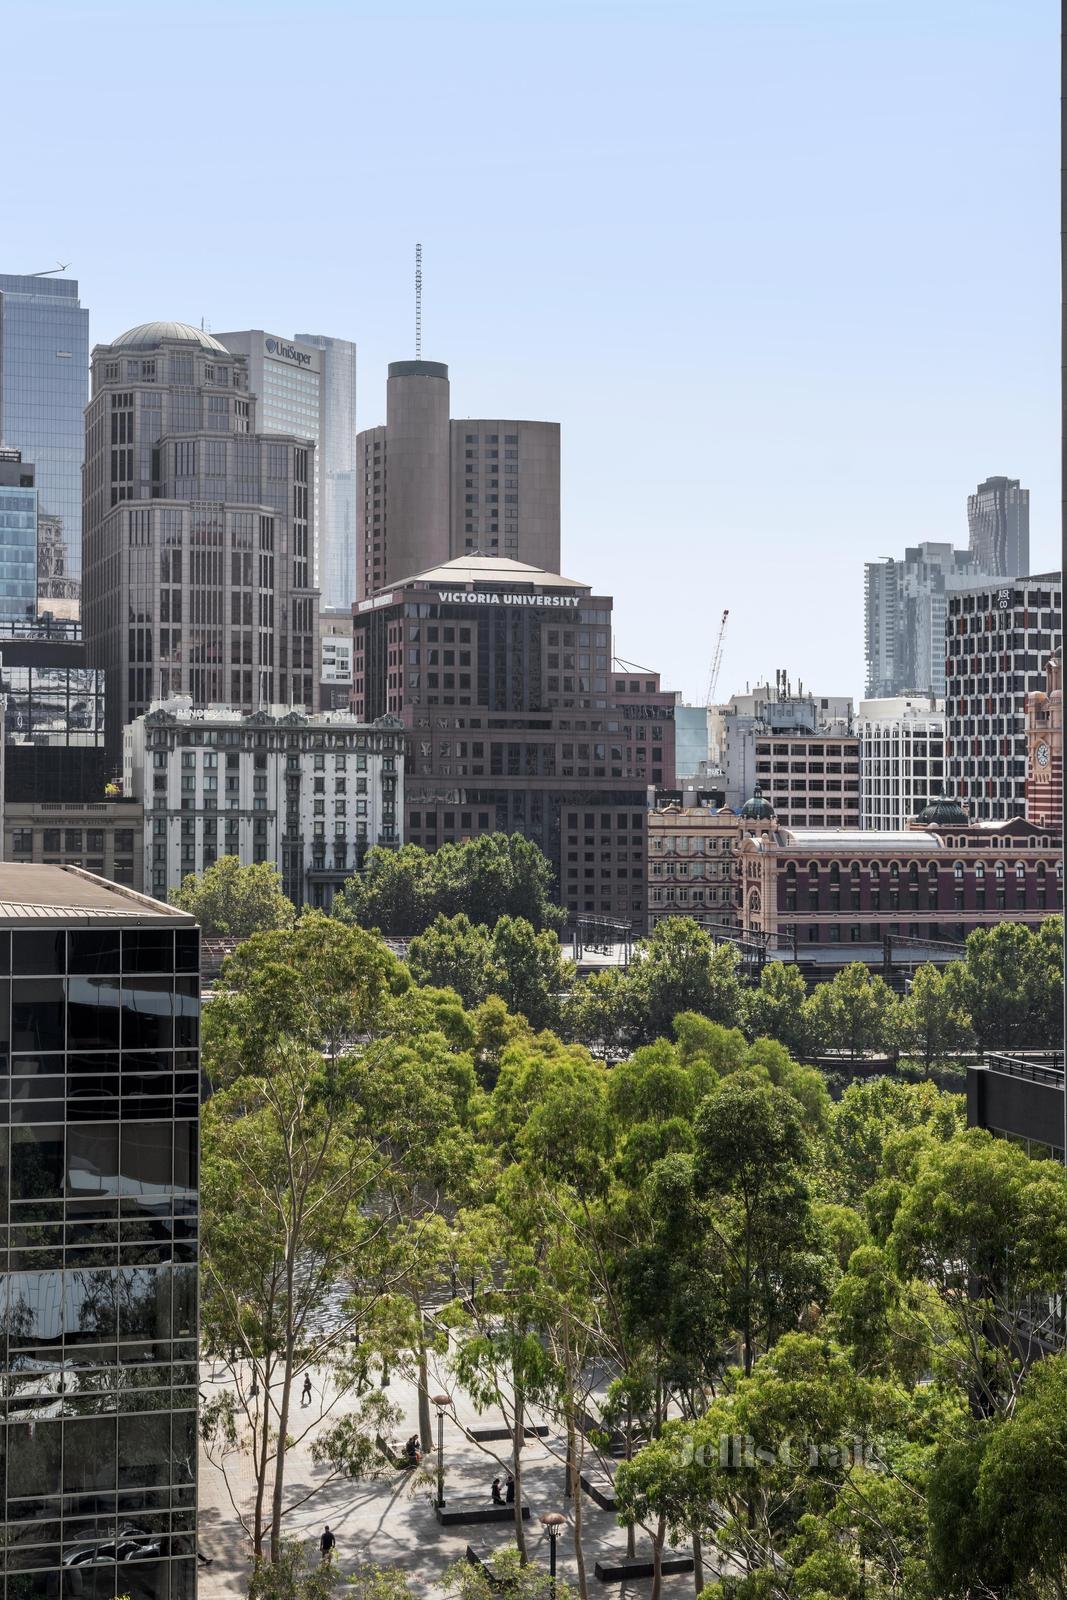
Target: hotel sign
(465, 597)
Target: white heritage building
(309, 793)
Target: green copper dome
(942, 810)
(757, 809)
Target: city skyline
(723, 319)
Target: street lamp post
(442, 1402)
(552, 1522)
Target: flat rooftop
(31, 892)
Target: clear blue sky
(785, 270)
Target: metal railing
(1046, 1068)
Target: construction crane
(716, 662)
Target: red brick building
(939, 878)
(520, 719)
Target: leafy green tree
(297, 1574)
(233, 902)
(752, 1152)
(524, 1581)
(852, 1012)
(996, 1499)
(986, 1226)
(287, 1175)
(318, 983)
(598, 1013)
(454, 951)
(680, 968)
(401, 892)
(931, 1022)
(776, 1009)
(872, 1126)
(529, 971)
(1012, 986)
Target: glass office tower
(99, 1103)
(44, 389)
(18, 538)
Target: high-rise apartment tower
(998, 515)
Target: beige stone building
(694, 862)
(103, 836)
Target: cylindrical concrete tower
(417, 488)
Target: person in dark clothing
(412, 1451)
(509, 1492)
(498, 1498)
(305, 1393)
(327, 1544)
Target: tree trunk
(283, 1409)
(657, 1558)
(698, 1565)
(574, 1489)
(516, 1470)
(259, 1449)
(425, 1420)
(631, 1539)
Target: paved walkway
(390, 1521)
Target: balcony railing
(1046, 1068)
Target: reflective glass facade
(44, 389)
(335, 517)
(99, 1098)
(18, 552)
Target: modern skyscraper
(902, 758)
(904, 618)
(503, 673)
(18, 537)
(998, 515)
(431, 489)
(336, 455)
(44, 387)
(199, 532)
(999, 638)
(99, 1195)
(306, 388)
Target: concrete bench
(498, 1435)
(642, 1567)
(482, 1557)
(467, 1513)
(599, 1486)
(394, 1453)
(616, 1441)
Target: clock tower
(1044, 749)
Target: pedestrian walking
(327, 1545)
(305, 1393)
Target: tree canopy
(233, 902)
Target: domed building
(757, 809)
(198, 533)
(941, 811)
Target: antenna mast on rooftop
(418, 302)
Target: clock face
(1042, 755)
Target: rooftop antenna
(50, 271)
(418, 302)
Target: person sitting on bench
(498, 1498)
(412, 1451)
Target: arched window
(1000, 871)
(1020, 872)
(957, 871)
(854, 870)
(791, 870)
(813, 871)
(979, 872)
(876, 872)
(894, 871)
(1041, 872)
(835, 875)
(913, 872)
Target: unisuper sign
(288, 352)
(464, 597)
